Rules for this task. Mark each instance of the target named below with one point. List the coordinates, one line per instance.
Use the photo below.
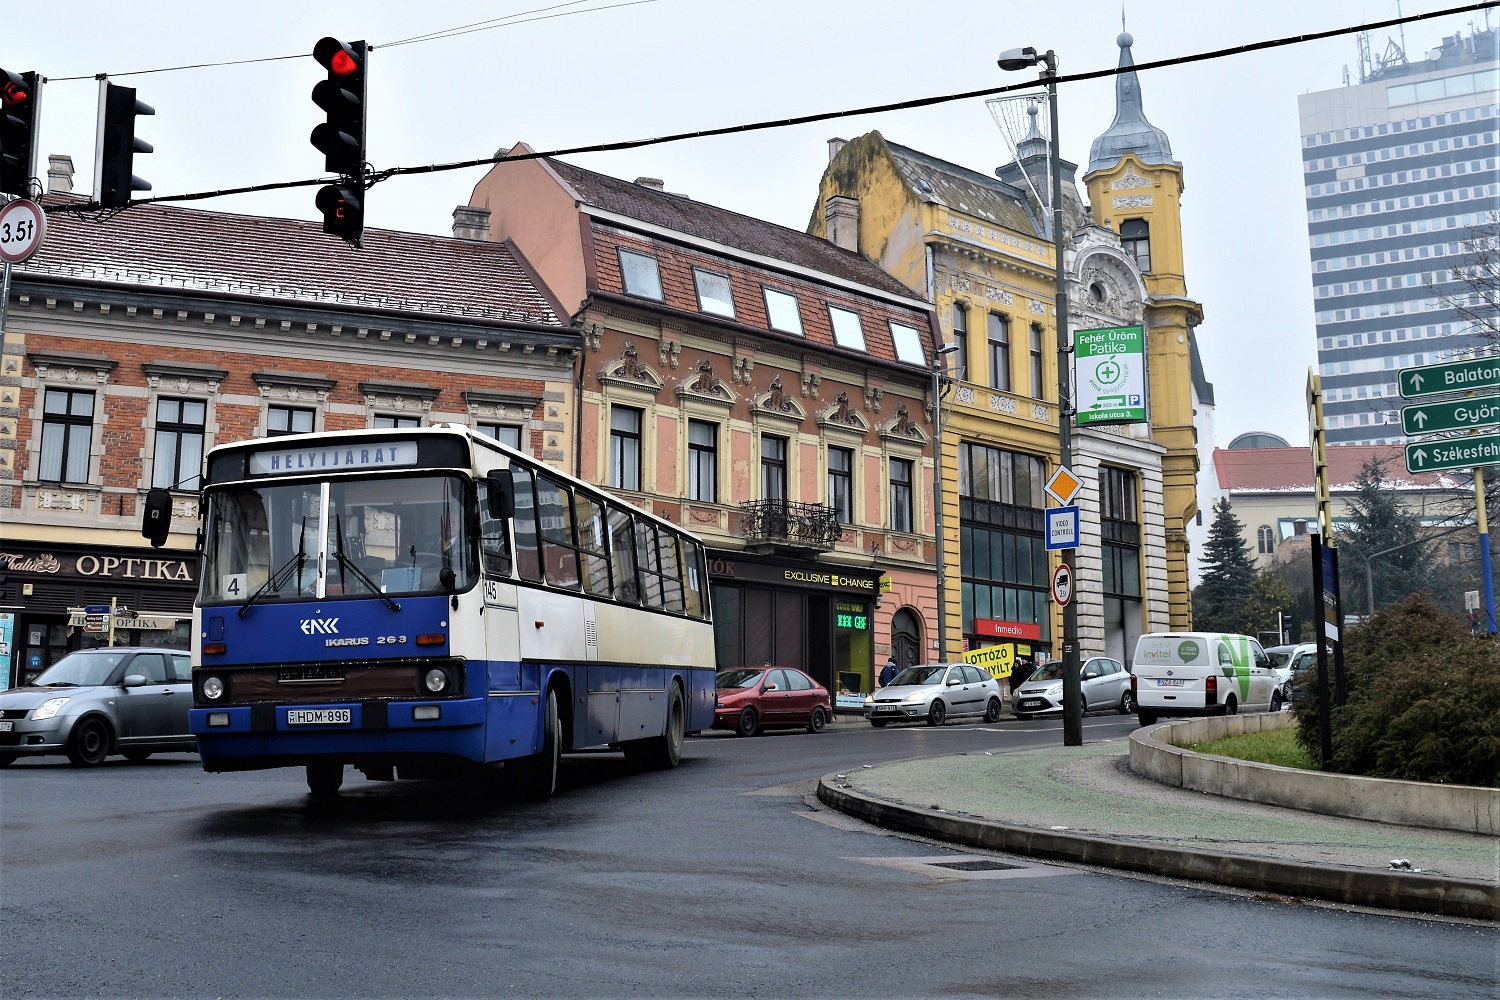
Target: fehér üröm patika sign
(1110, 367)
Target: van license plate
(1170, 682)
(318, 717)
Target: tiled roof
(720, 225)
(165, 246)
(962, 189)
(1255, 469)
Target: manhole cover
(976, 866)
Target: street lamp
(1016, 59)
(938, 369)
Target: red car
(752, 699)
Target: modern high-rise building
(1399, 170)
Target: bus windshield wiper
(346, 563)
(282, 573)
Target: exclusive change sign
(1111, 375)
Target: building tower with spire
(1135, 188)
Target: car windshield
(82, 668)
(920, 674)
(1048, 672)
(1277, 659)
(388, 535)
(737, 678)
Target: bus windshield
(387, 535)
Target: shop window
(67, 430)
(177, 462)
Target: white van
(1201, 673)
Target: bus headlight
(213, 688)
(436, 680)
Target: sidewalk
(1084, 804)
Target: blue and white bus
(418, 601)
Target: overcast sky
(668, 66)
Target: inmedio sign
(1110, 367)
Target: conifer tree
(1222, 600)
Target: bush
(1423, 700)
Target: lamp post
(938, 368)
(1016, 59)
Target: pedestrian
(888, 674)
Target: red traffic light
(338, 58)
(12, 89)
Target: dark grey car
(96, 702)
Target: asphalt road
(721, 878)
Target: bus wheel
(325, 780)
(665, 751)
(539, 773)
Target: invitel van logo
(320, 626)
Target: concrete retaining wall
(1156, 752)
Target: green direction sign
(1453, 453)
(1111, 368)
(1454, 376)
(1450, 415)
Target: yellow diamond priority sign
(1063, 486)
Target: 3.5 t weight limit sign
(1062, 585)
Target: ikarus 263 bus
(419, 601)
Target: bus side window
(494, 546)
(528, 559)
(554, 504)
(591, 545)
(692, 577)
(671, 571)
(645, 557)
(622, 544)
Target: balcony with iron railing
(784, 524)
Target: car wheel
(136, 756)
(1146, 718)
(1231, 707)
(1127, 702)
(817, 721)
(879, 723)
(7, 759)
(539, 771)
(937, 714)
(749, 723)
(324, 780)
(1276, 702)
(89, 742)
(1083, 705)
(992, 711)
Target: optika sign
(112, 567)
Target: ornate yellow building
(975, 246)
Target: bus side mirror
(156, 516)
(502, 493)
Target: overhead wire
(922, 102)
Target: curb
(1410, 892)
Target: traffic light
(343, 211)
(115, 145)
(20, 104)
(341, 138)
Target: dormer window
(1135, 239)
(847, 331)
(714, 295)
(908, 344)
(640, 275)
(782, 312)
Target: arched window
(1135, 238)
(1266, 540)
(906, 638)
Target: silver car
(1105, 684)
(936, 692)
(97, 702)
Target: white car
(936, 692)
(1290, 659)
(1103, 682)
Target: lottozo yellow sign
(998, 660)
